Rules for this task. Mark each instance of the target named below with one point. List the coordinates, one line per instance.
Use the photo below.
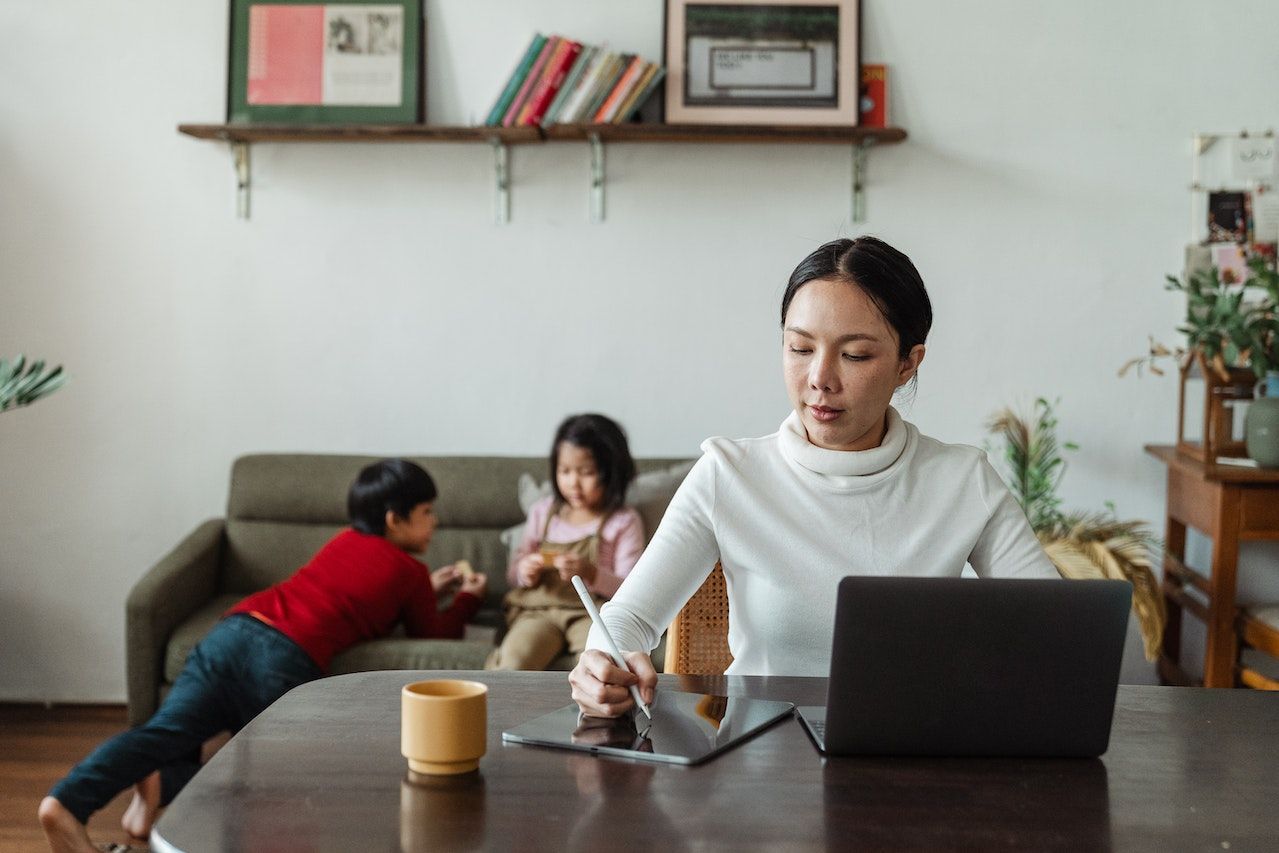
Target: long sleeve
(423, 618)
(1007, 547)
(532, 539)
(623, 542)
(672, 567)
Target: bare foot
(64, 832)
(141, 813)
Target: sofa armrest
(163, 598)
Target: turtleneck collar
(795, 445)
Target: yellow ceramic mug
(443, 725)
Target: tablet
(687, 728)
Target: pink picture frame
(763, 62)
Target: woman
(844, 487)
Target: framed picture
(762, 62)
(310, 62)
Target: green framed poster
(309, 62)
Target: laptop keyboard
(819, 728)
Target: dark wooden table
(1187, 769)
(1229, 504)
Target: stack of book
(561, 81)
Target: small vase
(1261, 427)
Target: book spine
(514, 82)
(529, 81)
(622, 88)
(607, 81)
(644, 95)
(572, 111)
(551, 82)
(570, 85)
(873, 103)
(539, 85)
(638, 93)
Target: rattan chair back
(697, 642)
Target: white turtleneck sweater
(787, 519)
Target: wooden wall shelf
(360, 133)
(240, 137)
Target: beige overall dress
(547, 619)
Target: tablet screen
(686, 727)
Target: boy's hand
(444, 579)
(529, 569)
(574, 564)
(476, 584)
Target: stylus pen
(609, 645)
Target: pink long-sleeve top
(621, 543)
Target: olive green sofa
(281, 508)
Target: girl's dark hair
(606, 441)
(883, 273)
(397, 485)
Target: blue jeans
(237, 670)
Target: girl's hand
(476, 584)
(574, 564)
(445, 578)
(601, 688)
(529, 569)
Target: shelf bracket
(240, 156)
(597, 179)
(502, 178)
(859, 180)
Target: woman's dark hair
(606, 441)
(883, 273)
(397, 485)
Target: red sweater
(356, 588)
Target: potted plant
(1081, 545)
(1232, 341)
(21, 384)
(1230, 323)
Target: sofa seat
(395, 652)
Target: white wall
(371, 305)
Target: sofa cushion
(261, 552)
(396, 652)
(474, 491)
(187, 635)
(404, 653)
(386, 653)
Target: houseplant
(1081, 545)
(1232, 341)
(21, 384)
(1229, 323)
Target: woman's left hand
(445, 578)
(574, 564)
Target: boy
(356, 588)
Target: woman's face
(840, 360)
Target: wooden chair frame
(1255, 634)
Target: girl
(581, 528)
(844, 487)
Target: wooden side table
(1230, 505)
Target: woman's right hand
(529, 569)
(602, 689)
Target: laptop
(972, 667)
